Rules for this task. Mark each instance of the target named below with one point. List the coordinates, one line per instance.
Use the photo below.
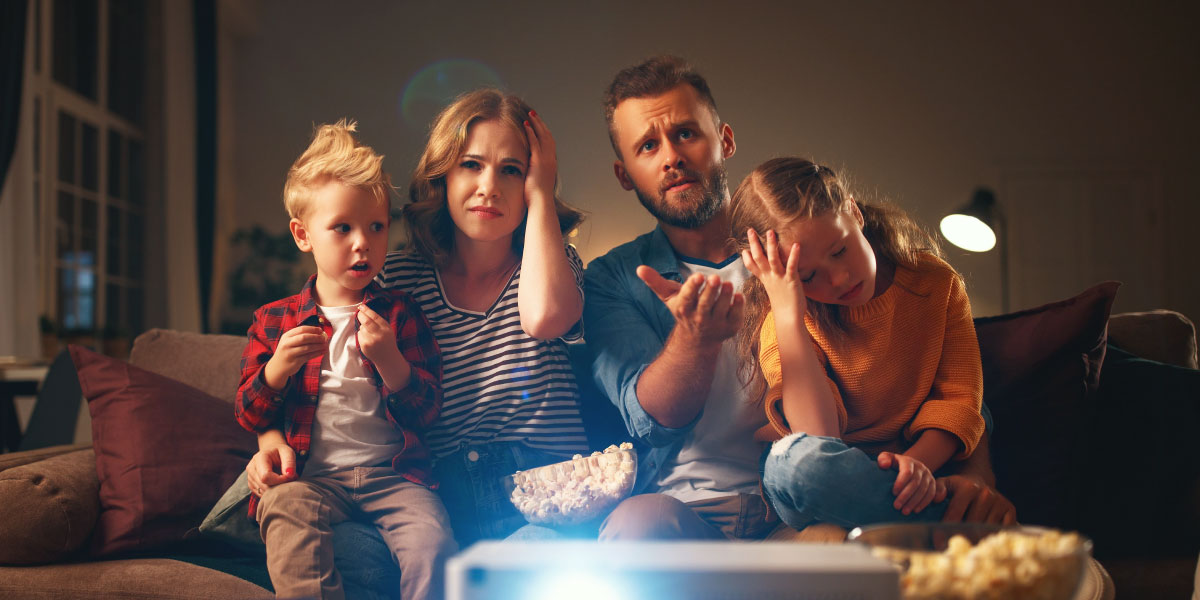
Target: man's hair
(334, 155)
(656, 76)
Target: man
(662, 339)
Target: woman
(503, 293)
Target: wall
(918, 102)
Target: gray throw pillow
(229, 520)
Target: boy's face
(346, 229)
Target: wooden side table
(17, 378)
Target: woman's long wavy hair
(783, 190)
(427, 217)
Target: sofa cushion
(140, 578)
(165, 452)
(210, 363)
(50, 507)
(1152, 410)
(1040, 366)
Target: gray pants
(296, 522)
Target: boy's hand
(780, 277)
(543, 162)
(296, 347)
(376, 340)
(270, 466)
(915, 487)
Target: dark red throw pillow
(165, 452)
(1040, 367)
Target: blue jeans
(472, 486)
(365, 562)
(812, 479)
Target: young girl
(502, 291)
(865, 341)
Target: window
(89, 86)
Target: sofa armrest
(50, 507)
(1161, 335)
(16, 459)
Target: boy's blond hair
(334, 155)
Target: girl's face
(485, 190)
(836, 263)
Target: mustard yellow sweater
(911, 363)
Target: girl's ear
(300, 235)
(858, 216)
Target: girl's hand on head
(915, 487)
(779, 275)
(543, 162)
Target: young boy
(339, 381)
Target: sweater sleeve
(954, 400)
(772, 369)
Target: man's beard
(692, 208)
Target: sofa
(1091, 417)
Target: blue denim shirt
(626, 325)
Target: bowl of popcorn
(974, 560)
(577, 490)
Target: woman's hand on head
(543, 162)
(778, 274)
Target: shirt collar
(660, 255)
(373, 296)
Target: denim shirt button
(472, 456)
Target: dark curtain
(206, 148)
(12, 63)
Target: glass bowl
(574, 491)
(975, 560)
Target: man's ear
(300, 235)
(728, 146)
(622, 175)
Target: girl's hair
(427, 216)
(783, 190)
(334, 155)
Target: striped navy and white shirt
(499, 384)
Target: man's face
(673, 156)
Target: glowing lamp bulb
(968, 233)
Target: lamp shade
(973, 227)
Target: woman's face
(485, 190)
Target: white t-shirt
(351, 427)
(719, 456)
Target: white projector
(587, 570)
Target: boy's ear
(300, 235)
(622, 175)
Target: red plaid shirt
(411, 409)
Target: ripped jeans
(811, 479)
